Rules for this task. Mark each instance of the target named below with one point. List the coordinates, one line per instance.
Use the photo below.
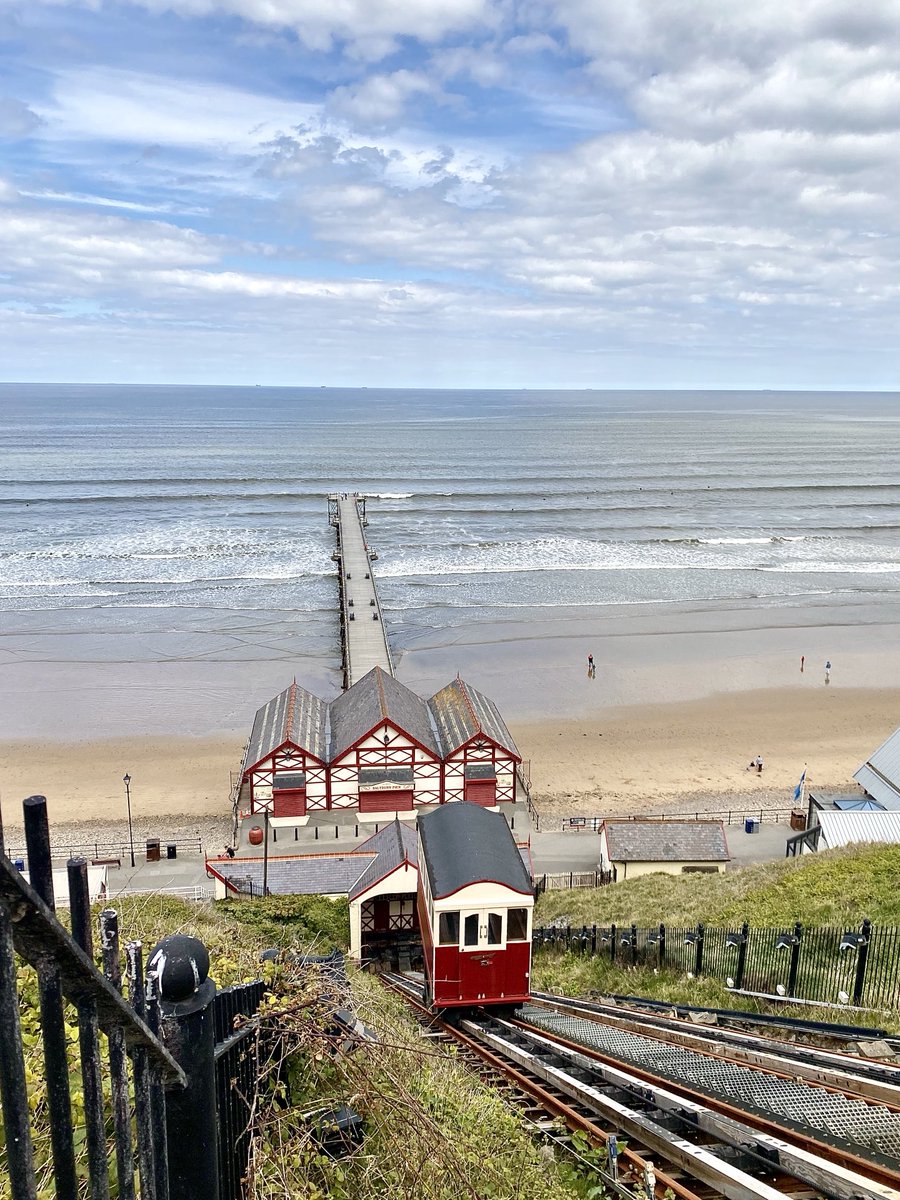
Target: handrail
(39, 937)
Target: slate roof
(464, 843)
(460, 712)
(294, 715)
(393, 845)
(666, 841)
(298, 875)
(371, 700)
(880, 773)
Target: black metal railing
(167, 1098)
(828, 965)
(728, 816)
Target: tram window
(517, 925)
(494, 928)
(471, 929)
(449, 928)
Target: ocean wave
(388, 495)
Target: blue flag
(798, 790)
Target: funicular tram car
(475, 900)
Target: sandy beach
(651, 758)
(683, 698)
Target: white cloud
(16, 119)
(380, 98)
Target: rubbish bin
(152, 849)
(171, 850)
(19, 864)
(751, 826)
(798, 818)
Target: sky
(451, 193)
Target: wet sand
(682, 700)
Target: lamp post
(126, 779)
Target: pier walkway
(364, 643)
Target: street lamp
(126, 779)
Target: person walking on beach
(591, 668)
(802, 661)
(828, 671)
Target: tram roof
(463, 843)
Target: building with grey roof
(879, 775)
(629, 849)
(378, 748)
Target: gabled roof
(296, 875)
(842, 828)
(463, 843)
(460, 713)
(294, 715)
(666, 841)
(880, 773)
(394, 845)
(376, 697)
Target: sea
(197, 516)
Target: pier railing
(728, 816)
(821, 965)
(181, 1088)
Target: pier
(364, 642)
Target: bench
(106, 862)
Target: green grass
(832, 888)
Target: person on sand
(828, 671)
(591, 669)
(758, 763)
(802, 661)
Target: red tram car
(475, 900)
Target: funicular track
(735, 1146)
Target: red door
(289, 802)
(482, 791)
(386, 801)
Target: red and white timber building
(377, 749)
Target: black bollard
(187, 1013)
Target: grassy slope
(833, 888)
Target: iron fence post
(593, 941)
(187, 1013)
(742, 957)
(89, 1037)
(795, 959)
(53, 1025)
(634, 946)
(13, 1086)
(613, 933)
(662, 945)
(862, 958)
(698, 949)
(112, 968)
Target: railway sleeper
(770, 1153)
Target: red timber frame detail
(480, 751)
(396, 750)
(289, 759)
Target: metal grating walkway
(871, 1128)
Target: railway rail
(720, 1124)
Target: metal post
(634, 948)
(53, 1026)
(265, 881)
(612, 943)
(187, 1011)
(89, 1037)
(142, 1107)
(13, 1088)
(126, 779)
(662, 945)
(862, 957)
(742, 957)
(698, 949)
(795, 959)
(112, 969)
